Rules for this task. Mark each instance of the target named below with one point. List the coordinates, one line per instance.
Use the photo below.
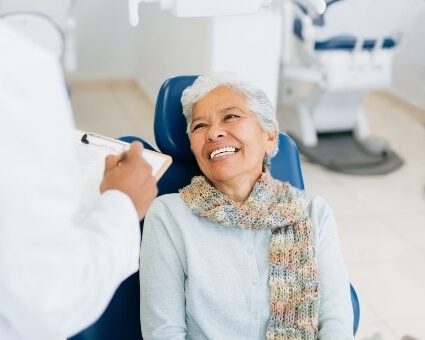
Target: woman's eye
(198, 126)
(230, 116)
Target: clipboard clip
(84, 139)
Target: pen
(123, 155)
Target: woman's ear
(271, 141)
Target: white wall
(249, 45)
(106, 45)
(409, 66)
(169, 46)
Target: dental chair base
(331, 111)
(344, 152)
(331, 129)
(325, 112)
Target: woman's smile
(229, 150)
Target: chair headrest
(169, 122)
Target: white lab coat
(56, 276)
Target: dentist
(57, 276)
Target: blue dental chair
(330, 62)
(344, 53)
(121, 320)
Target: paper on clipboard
(91, 157)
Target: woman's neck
(237, 189)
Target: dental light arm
(204, 8)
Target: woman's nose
(215, 132)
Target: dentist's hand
(131, 174)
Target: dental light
(206, 8)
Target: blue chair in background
(330, 63)
(121, 320)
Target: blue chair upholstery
(171, 137)
(356, 308)
(146, 144)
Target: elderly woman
(237, 254)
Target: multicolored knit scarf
(293, 277)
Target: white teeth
(222, 152)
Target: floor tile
(415, 328)
(410, 227)
(393, 289)
(365, 239)
(375, 331)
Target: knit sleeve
(335, 313)
(162, 300)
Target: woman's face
(226, 138)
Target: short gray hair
(258, 102)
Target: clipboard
(92, 149)
(104, 146)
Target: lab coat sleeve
(162, 278)
(335, 312)
(56, 276)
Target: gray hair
(258, 102)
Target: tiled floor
(381, 219)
